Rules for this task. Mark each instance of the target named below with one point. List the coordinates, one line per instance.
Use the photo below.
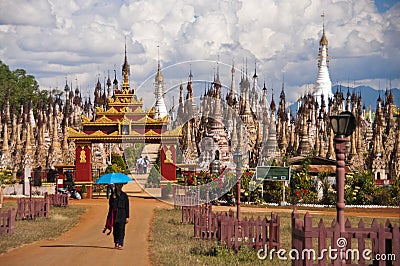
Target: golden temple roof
(103, 120)
(115, 136)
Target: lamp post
(343, 126)
(237, 157)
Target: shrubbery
(118, 165)
(154, 177)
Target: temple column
(83, 166)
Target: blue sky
(84, 39)
(384, 5)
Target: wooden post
(47, 207)
(334, 244)
(11, 221)
(396, 244)
(381, 243)
(1, 196)
(322, 242)
(307, 244)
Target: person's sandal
(120, 247)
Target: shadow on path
(73, 246)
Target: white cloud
(52, 39)
(24, 12)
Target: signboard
(273, 173)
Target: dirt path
(85, 244)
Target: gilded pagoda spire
(396, 152)
(324, 40)
(282, 120)
(5, 153)
(5, 138)
(108, 85)
(190, 104)
(125, 72)
(231, 97)
(14, 129)
(180, 112)
(7, 108)
(254, 92)
(115, 82)
(55, 155)
(266, 116)
(6, 121)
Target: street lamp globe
(343, 124)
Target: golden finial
(324, 40)
(159, 76)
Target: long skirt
(119, 233)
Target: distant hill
(370, 95)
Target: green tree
(360, 189)
(273, 191)
(6, 176)
(20, 87)
(394, 192)
(329, 194)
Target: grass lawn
(27, 231)
(172, 243)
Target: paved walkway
(86, 244)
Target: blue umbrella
(114, 178)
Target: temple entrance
(123, 121)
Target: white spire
(160, 108)
(323, 84)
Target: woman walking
(119, 204)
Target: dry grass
(27, 231)
(172, 243)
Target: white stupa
(160, 110)
(323, 84)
